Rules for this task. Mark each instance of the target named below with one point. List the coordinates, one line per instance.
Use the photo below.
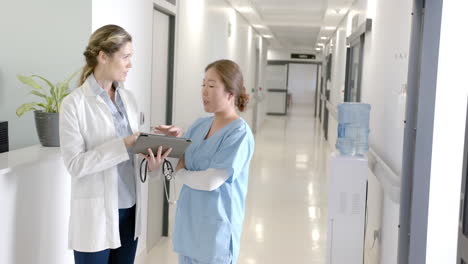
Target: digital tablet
(153, 141)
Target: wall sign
(302, 56)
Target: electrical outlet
(376, 235)
(142, 118)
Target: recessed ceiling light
(267, 36)
(323, 38)
(320, 44)
(329, 28)
(245, 9)
(318, 49)
(258, 26)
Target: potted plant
(46, 114)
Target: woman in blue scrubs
(215, 170)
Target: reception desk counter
(35, 200)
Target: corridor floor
(286, 207)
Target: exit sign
(302, 56)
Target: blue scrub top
(208, 224)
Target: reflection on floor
(286, 210)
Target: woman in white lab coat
(98, 125)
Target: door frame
(462, 253)
(255, 90)
(169, 100)
(357, 38)
(418, 132)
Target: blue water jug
(353, 128)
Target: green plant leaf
(60, 100)
(63, 89)
(64, 95)
(29, 81)
(53, 102)
(59, 91)
(50, 102)
(43, 106)
(52, 93)
(39, 94)
(44, 79)
(25, 108)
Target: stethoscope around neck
(167, 176)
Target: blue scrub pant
(125, 254)
(187, 260)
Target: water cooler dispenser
(347, 191)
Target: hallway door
(255, 92)
(161, 113)
(302, 83)
(462, 254)
(277, 87)
(354, 64)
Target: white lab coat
(91, 150)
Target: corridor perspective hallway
(286, 208)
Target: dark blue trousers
(122, 255)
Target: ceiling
(294, 24)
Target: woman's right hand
(168, 130)
(155, 161)
(130, 140)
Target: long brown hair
(109, 39)
(232, 79)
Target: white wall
(383, 83)
(38, 37)
(201, 39)
(448, 137)
(384, 87)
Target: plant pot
(47, 126)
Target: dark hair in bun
(233, 80)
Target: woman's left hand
(154, 162)
(168, 130)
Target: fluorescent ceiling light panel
(245, 9)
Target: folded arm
(207, 180)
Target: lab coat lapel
(131, 110)
(100, 104)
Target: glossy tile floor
(286, 206)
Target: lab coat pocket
(88, 222)
(215, 238)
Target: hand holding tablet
(153, 141)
